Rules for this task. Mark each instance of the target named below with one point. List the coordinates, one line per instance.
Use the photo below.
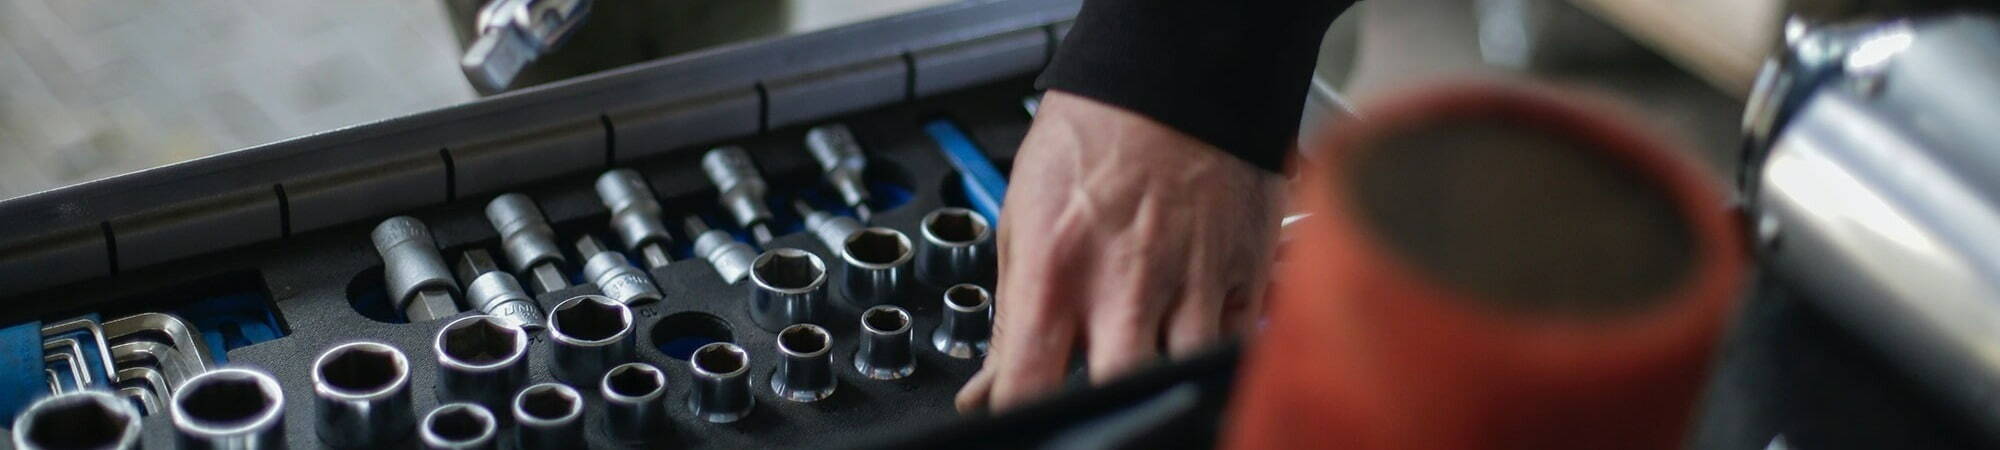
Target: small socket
(87, 419)
(548, 416)
(740, 189)
(635, 215)
(806, 372)
(788, 286)
(634, 406)
(721, 392)
(361, 395)
(878, 260)
(419, 283)
(497, 293)
(229, 408)
(591, 333)
(480, 359)
(617, 279)
(957, 247)
(884, 351)
(460, 426)
(527, 240)
(968, 322)
(730, 258)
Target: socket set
(643, 266)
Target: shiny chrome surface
(590, 334)
(460, 426)
(788, 286)
(481, 359)
(90, 419)
(229, 408)
(361, 395)
(635, 406)
(721, 388)
(877, 266)
(957, 247)
(548, 416)
(805, 367)
(884, 351)
(968, 322)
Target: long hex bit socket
(721, 391)
(614, 276)
(635, 215)
(730, 258)
(229, 408)
(480, 359)
(787, 286)
(87, 419)
(842, 162)
(831, 229)
(591, 333)
(548, 416)
(635, 408)
(884, 350)
(494, 292)
(361, 395)
(418, 281)
(968, 322)
(460, 426)
(957, 247)
(527, 240)
(740, 189)
(878, 261)
(806, 372)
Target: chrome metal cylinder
(590, 334)
(88, 419)
(635, 214)
(730, 258)
(525, 236)
(229, 408)
(968, 322)
(361, 395)
(616, 278)
(481, 359)
(805, 374)
(878, 261)
(418, 281)
(548, 416)
(884, 350)
(498, 294)
(788, 286)
(957, 247)
(831, 230)
(840, 157)
(739, 186)
(635, 407)
(721, 388)
(460, 426)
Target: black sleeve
(1232, 73)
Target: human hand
(1122, 238)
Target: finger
(1129, 295)
(1033, 329)
(1196, 320)
(972, 397)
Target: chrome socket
(548, 416)
(361, 395)
(497, 293)
(88, 419)
(635, 407)
(830, 229)
(968, 322)
(590, 333)
(788, 286)
(957, 247)
(527, 240)
(480, 360)
(616, 278)
(840, 157)
(730, 258)
(740, 189)
(806, 372)
(229, 408)
(884, 351)
(460, 426)
(635, 215)
(416, 276)
(721, 373)
(878, 260)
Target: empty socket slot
(680, 334)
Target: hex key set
(753, 247)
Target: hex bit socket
(740, 189)
(614, 276)
(635, 407)
(361, 395)
(805, 372)
(831, 229)
(787, 286)
(230, 408)
(877, 263)
(86, 419)
(968, 322)
(884, 350)
(480, 359)
(590, 334)
(635, 215)
(721, 389)
(842, 164)
(957, 247)
(730, 258)
(527, 241)
(460, 426)
(497, 293)
(548, 416)
(418, 281)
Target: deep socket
(87, 419)
(229, 408)
(591, 333)
(877, 263)
(968, 322)
(730, 258)
(740, 189)
(635, 408)
(788, 286)
(527, 241)
(805, 374)
(957, 247)
(842, 162)
(416, 276)
(884, 351)
(614, 276)
(548, 416)
(361, 395)
(460, 426)
(721, 392)
(497, 293)
(481, 359)
(635, 215)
